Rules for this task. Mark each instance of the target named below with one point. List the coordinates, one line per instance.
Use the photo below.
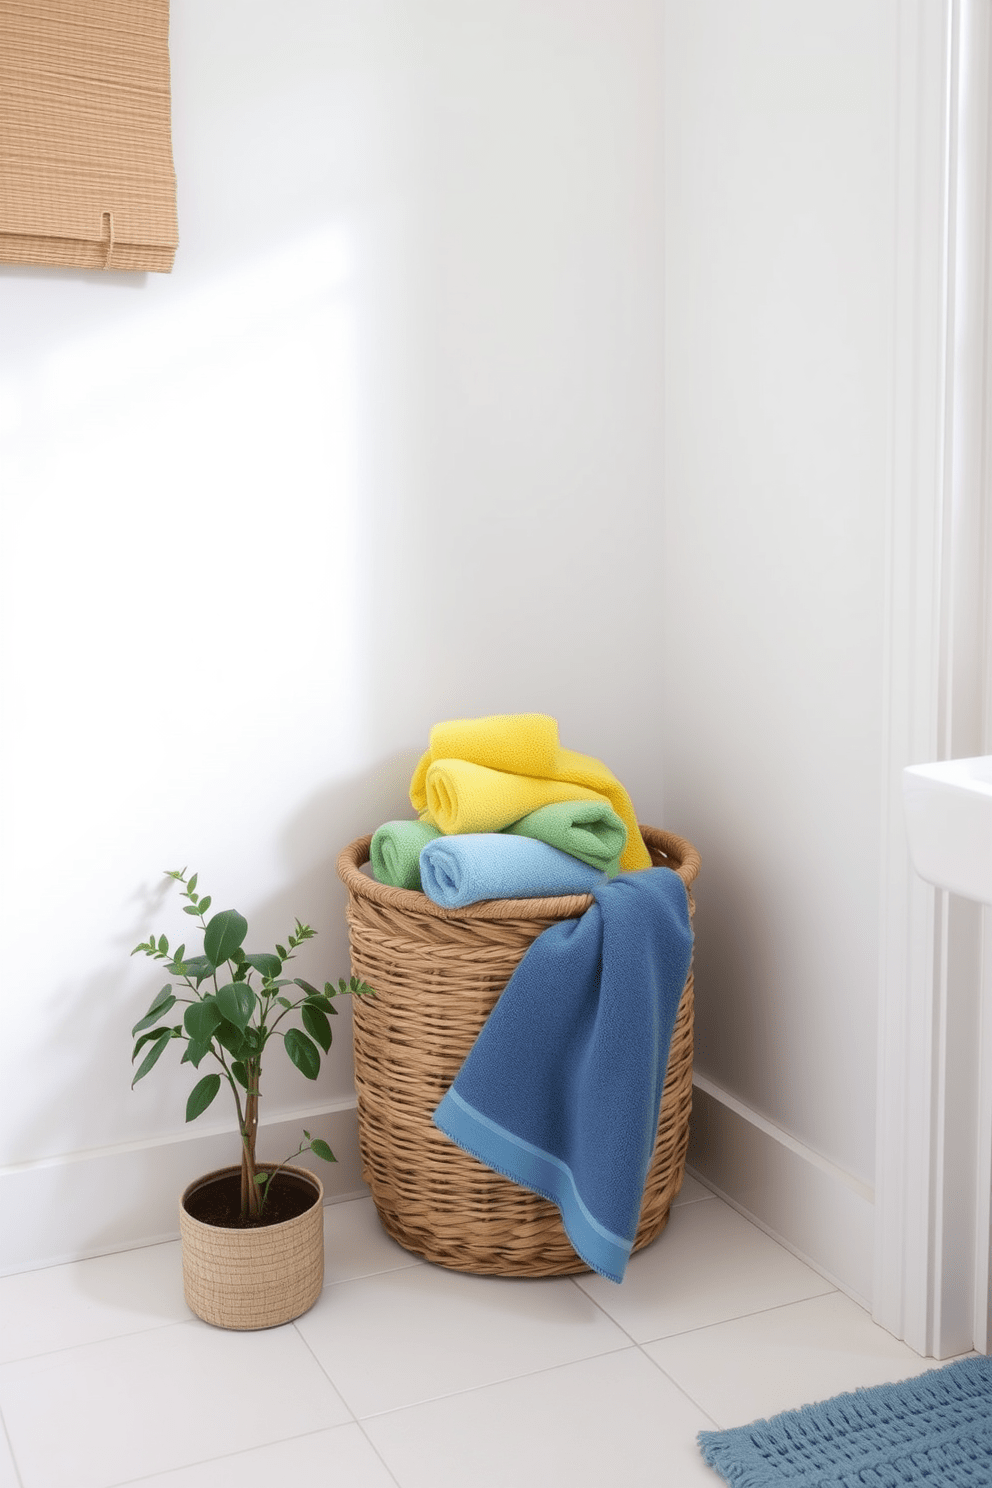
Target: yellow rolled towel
(522, 743)
(462, 797)
(524, 768)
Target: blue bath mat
(934, 1430)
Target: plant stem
(251, 1205)
(303, 1147)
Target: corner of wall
(822, 1214)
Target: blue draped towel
(462, 869)
(562, 1089)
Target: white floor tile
(415, 1334)
(355, 1244)
(127, 1407)
(709, 1264)
(341, 1456)
(756, 1366)
(85, 1301)
(107, 1380)
(604, 1420)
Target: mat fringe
(933, 1429)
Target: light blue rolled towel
(461, 869)
(395, 852)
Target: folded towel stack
(485, 779)
(482, 774)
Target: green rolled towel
(395, 852)
(589, 830)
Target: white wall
(419, 427)
(384, 448)
(780, 172)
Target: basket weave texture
(437, 974)
(253, 1278)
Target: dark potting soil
(219, 1202)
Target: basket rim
(683, 860)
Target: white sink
(949, 822)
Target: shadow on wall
(107, 1005)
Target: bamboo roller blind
(86, 173)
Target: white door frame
(934, 1110)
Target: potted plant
(252, 1234)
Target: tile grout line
(10, 1449)
(739, 1317)
(506, 1379)
(370, 1275)
(227, 1456)
(599, 1306)
(644, 1355)
(68, 1348)
(681, 1388)
(358, 1421)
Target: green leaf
(265, 962)
(316, 1025)
(190, 909)
(233, 1040)
(303, 1052)
(201, 1020)
(146, 1038)
(192, 884)
(201, 1095)
(224, 934)
(321, 1149)
(156, 1051)
(240, 1072)
(178, 955)
(285, 1002)
(204, 904)
(282, 953)
(256, 1039)
(163, 944)
(320, 1001)
(198, 968)
(195, 1053)
(161, 1004)
(236, 1003)
(310, 990)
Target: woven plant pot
(437, 974)
(258, 1277)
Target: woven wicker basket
(437, 974)
(253, 1278)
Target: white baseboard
(91, 1203)
(822, 1214)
